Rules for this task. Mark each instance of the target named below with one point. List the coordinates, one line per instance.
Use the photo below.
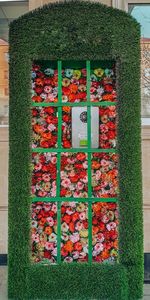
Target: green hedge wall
(76, 30)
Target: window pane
(104, 232)
(103, 83)
(44, 127)
(44, 82)
(44, 232)
(44, 174)
(142, 14)
(74, 182)
(104, 175)
(74, 232)
(74, 84)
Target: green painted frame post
(49, 40)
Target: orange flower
(66, 109)
(68, 246)
(95, 165)
(37, 128)
(96, 207)
(105, 254)
(47, 135)
(73, 88)
(116, 244)
(48, 230)
(108, 97)
(95, 230)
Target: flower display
(73, 85)
(44, 232)
(44, 172)
(107, 127)
(103, 85)
(44, 127)
(104, 175)
(44, 84)
(74, 181)
(66, 127)
(104, 232)
(74, 232)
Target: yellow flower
(83, 233)
(77, 74)
(80, 207)
(65, 82)
(99, 72)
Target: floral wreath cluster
(44, 232)
(104, 175)
(74, 232)
(44, 127)
(107, 127)
(103, 85)
(44, 171)
(44, 84)
(104, 232)
(73, 85)
(74, 181)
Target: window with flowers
(74, 162)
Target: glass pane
(74, 85)
(44, 127)
(44, 174)
(44, 232)
(74, 179)
(107, 124)
(103, 84)
(44, 82)
(74, 232)
(104, 232)
(141, 12)
(104, 175)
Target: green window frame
(87, 150)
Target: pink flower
(98, 175)
(74, 237)
(37, 167)
(50, 97)
(46, 206)
(42, 194)
(53, 160)
(79, 226)
(103, 128)
(99, 247)
(75, 254)
(35, 238)
(49, 246)
(104, 162)
(100, 237)
(51, 127)
(105, 219)
(46, 177)
(53, 192)
(66, 182)
(47, 89)
(68, 259)
(111, 226)
(50, 221)
(80, 185)
(82, 216)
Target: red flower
(47, 254)
(66, 218)
(81, 156)
(78, 246)
(63, 192)
(75, 217)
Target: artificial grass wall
(76, 30)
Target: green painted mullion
(85, 150)
(68, 199)
(57, 104)
(59, 163)
(89, 164)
